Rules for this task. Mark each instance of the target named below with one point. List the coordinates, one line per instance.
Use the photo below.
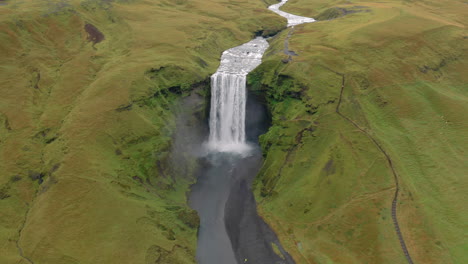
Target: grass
(325, 187)
(86, 128)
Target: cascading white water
(221, 191)
(228, 108)
(229, 96)
(228, 89)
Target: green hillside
(326, 186)
(90, 91)
(86, 122)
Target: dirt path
(390, 163)
(20, 232)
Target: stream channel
(231, 231)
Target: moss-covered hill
(374, 82)
(86, 122)
(86, 118)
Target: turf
(325, 187)
(86, 120)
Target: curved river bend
(231, 231)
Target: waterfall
(231, 231)
(229, 96)
(228, 89)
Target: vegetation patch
(189, 218)
(337, 12)
(4, 192)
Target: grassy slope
(325, 187)
(108, 195)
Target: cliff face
(87, 117)
(377, 93)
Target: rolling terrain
(376, 97)
(87, 115)
(374, 102)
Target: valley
(103, 103)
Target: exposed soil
(329, 167)
(94, 35)
(286, 50)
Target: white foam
(242, 149)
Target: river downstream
(231, 231)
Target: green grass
(95, 122)
(325, 187)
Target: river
(231, 231)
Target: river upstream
(231, 232)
